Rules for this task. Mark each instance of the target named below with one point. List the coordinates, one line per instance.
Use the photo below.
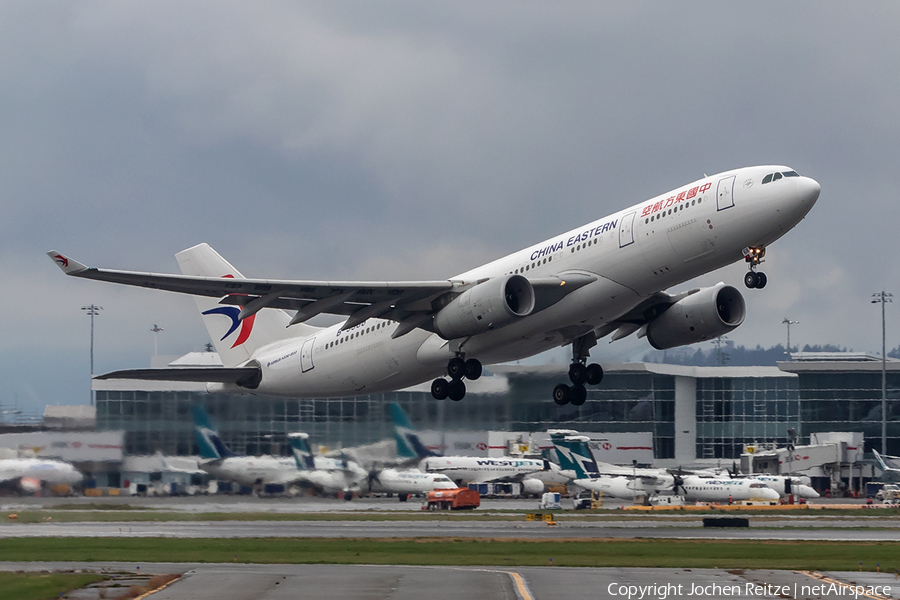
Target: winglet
(70, 266)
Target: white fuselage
(253, 470)
(619, 486)
(777, 483)
(330, 476)
(471, 469)
(703, 489)
(409, 481)
(631, 254)
(39, 469)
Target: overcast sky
(408, 140)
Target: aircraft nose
(808, 190)
(808, 492)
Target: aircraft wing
(241, 375)
(410, 303)
(361, 299)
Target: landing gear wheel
(456, 390)
(456, 368)
(562, 394)
(579, 395)
(439, 389)
(594, 374)
(348, 496)
(473, 369)
(761, 280)
(751, 280)
(577, 373)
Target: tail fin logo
(62, 260)
(233, 313)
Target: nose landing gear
(457, 368)
(755, 279)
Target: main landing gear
(580, 373)
(754, 256)
(457, 368)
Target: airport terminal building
(692, 413)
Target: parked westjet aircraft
(574, 454)
(352, 479)
(219, 461)
(468, 469)
(604, 278)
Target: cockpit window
(776, 176)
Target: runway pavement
(373, 582)
(776, 530)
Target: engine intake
(489, 305)
(702, 316)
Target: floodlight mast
(883, 298)
(92, 311)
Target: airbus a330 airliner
(604, 278)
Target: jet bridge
(836, 455)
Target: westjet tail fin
(302, 452)
(575, 455)
(211, 445)
(881, 462)
(409, 446)
(235, 338)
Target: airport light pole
(788, 322)
(883, 298)
(92, 311)
(156, 329)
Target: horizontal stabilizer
(239, 375)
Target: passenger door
(725, 193)
(306, 355)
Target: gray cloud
(410, 140)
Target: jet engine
(532, 487)
(489, 305)
(703, 315)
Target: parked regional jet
(604, 278)
(405, 482)
(220, 462)
(574, 454)
(352, 479)
(29, 474)
(468, 469)
(344, 478)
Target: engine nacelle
(532, 487)
(489, 305)
(702, 316)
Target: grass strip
(575, 552)
(39, 586)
